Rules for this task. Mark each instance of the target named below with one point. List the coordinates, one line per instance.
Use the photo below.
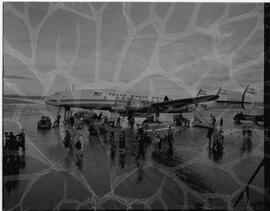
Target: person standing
(6, 140)
(221, 122)
(141, 146)
(72, 120)
(7, 147)
(244, 130)
(21, 139)
(158, 140)
(209, 135)
(139, 130)
(13, 141)
(67, 139)
(118, 122)
(156, 144)
(58, 118)
(79, 147)
(113, 146)
(170, 141)
(188, 123)
(122, 149)
(215, 138)
(105, 120)
(214, 121)
(14, 147)
(131, 122)
(122, 143)
(103, 132)
(154, 134)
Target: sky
(166, 48)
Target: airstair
(201, 118)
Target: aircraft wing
(167, 105)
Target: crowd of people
(102, 129)
(179, 120)
(12, 158)
(71, 144)
(216, 136)
(14, 142)
(143, 140)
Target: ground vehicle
(44, 123)
(240, 116)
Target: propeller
(247, 90)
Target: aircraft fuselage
(109, 100)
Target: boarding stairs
(201, 118)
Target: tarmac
(49, 177)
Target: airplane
(124, 103)
(140, 104)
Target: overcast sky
(172, 48)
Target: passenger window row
(135, 96)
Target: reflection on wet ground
(49, 176)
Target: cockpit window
(57, 93)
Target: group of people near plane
(70, 143)
(109, 138)
(179, 120)
(215, 136)
(168, 138)
(11, 150)
(14, 142)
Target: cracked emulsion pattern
(156, 23)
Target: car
(44, 123)
(240, 116)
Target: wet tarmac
(49, 177)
